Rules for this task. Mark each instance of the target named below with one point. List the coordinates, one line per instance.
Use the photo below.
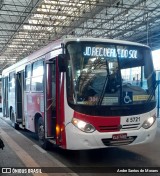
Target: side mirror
(62, 62)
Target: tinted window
(37, 76)
(27, 77)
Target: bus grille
(109, 128)
(131, 126)
(118, 127)
(111, 142)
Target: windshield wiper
(152, 92)
(103, 91)
(106, 81)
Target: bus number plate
(119, 136)
(132, 119)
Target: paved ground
(158, 123)
(20, 151)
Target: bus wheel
(41, 135)
(14, 124)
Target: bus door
(19, 95)
(0, 95)
(50, 99)
(5, 109)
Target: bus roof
(65, 40)
(57, 44)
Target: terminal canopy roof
(27, 25)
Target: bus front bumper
(79, 140)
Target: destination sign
(110, 52)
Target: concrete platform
(21, 153)
(158, 124)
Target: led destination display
(110, 52)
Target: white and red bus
(84, 93)
(0, 94)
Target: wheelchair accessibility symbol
(127, 97)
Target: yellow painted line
(23, 155)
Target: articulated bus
(84, 93)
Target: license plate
(119, 136)
(131, 120)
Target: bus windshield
(109, 74)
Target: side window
(27, 77)
(53, 75)
(37, 76)
(12, 82)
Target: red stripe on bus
(57, 104)
(62, 115)
(101, 123)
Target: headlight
(83, 126)
(149, 122)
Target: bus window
(131, 76)
(53, 84)
(12, 82)
(37, 76)
(27, 77)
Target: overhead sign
(110, 52)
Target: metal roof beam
(33, 4)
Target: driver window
(93, 70)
